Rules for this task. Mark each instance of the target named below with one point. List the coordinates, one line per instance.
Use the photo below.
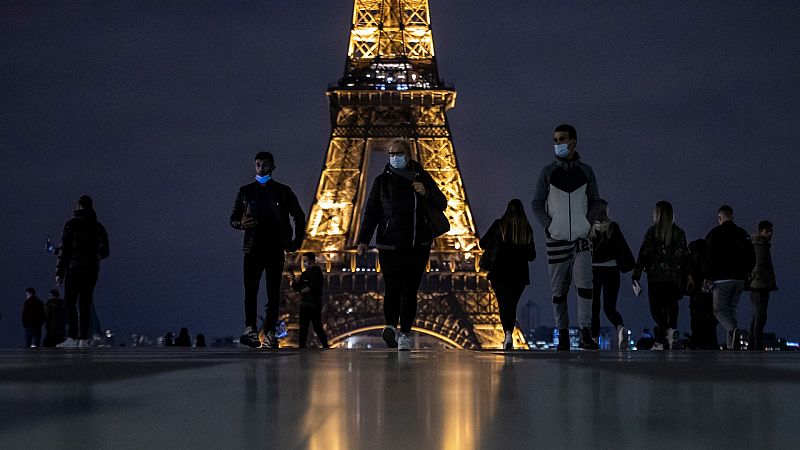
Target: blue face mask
(562, 150)
(397, 161)
(264, 179)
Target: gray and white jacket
(565, 199)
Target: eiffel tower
(391, 90)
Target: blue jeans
(726, 299)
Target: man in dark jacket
(730, 260)
(55, 319)
(84, 243)
(565, 202)
(262, 209)
(32, 318)
(309, 285)
(762, 282)
(404, 236)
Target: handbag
(437, 220)
(489, 256)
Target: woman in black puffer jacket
(396, 208)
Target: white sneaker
(508, 342)
(68, 343)
(404, 342)
(83, 343)
(672, 337)
(658, 346)
(623, 335)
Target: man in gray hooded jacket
(566, 195)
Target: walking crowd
(404, 211)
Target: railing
(445, 261)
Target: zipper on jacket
(569, 202)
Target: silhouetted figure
(169, 339)
(84, 243)
(730, 259)
(762, 282)
(401, 205)
(262, 209)
(511, 239)
(55, 320)
(183, 339)
(610, 257)
(565, 203)
(309, 285)
(665, 257)
(701, 302)
(200, 340)
(32, 318)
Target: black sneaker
(270, 341)
(585, 340)
(563, 340)
(250, 338)
(390, 336)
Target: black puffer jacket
(393, 207)
(271, 205)
(84, 243)
(730, 253)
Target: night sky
(157, 108)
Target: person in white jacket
(564, 203)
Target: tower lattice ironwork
(391, 90)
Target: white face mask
(561, 150)
(397, 161)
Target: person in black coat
(309, 285)
(611, 256)
(511, 239)
(84, 243)
(55, 320)
(262, 210)
(32, 318)
(183, 339)
(701, 309)
(398, 207)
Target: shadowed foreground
(341, 399)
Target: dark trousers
(760, 300)
(704, 324)
(312, 314)
(257, 262)
(663, 307)
(33, 336)
(78, 297)
(508, 294)
(402, 272)
(605, 280)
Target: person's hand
(708, 285)
(690, 284)
(420, 188)
(291, 275)
(249, 222)
(59, 280)
(362, 248)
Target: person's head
(663, 218)
(765, 229)
(53, 294)
(84, 203)
(565, 140)
(308, 259)
(514, 223)
(724, 214)
(399, 154)
(265, 163)
(603, 214)
(184, 332)
(601, 227)
(30, 292)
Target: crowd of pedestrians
(405, 212)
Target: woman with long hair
(664, 255)
(610, 257)
(511, 237)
